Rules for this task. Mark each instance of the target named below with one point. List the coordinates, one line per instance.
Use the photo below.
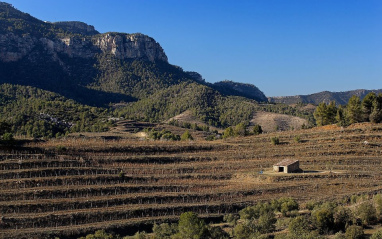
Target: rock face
(124, 46)
(75, 39)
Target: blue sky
(284, 47)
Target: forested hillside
(37, 113)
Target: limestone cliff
(14, 47)
(20, 33)
(125, 46)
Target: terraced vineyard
(73, 186)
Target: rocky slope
(76, 61)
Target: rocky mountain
(46, 68)
(341, 98)
(76, 61)
(21, 33)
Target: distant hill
(341, 98)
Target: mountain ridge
(341, 98)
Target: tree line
(356, 111)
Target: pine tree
(376, 113)
(186, 136)
(340, 117)
(331, 111)
(353, 110)
(320, 114)
(367, 105)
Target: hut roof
(286, 162)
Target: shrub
(163, 135)
(257, 129)
(242, 231)
(248, 213)
(170, 136)
(343, 217)
(298, 226)
(164, 230)
(354, 199)
(287, 205)
(266, 222)
(241, 129)
(323, 219)
(228, 132)
(367, 213)
(186, 136)
(354, 232)
(231, 218)
(190, 226)
(275, 140)
(299, 229)
(310, 205)
(378, 204)
(8, 137)
(297, 139)
(254, 212)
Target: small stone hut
(287, 166)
